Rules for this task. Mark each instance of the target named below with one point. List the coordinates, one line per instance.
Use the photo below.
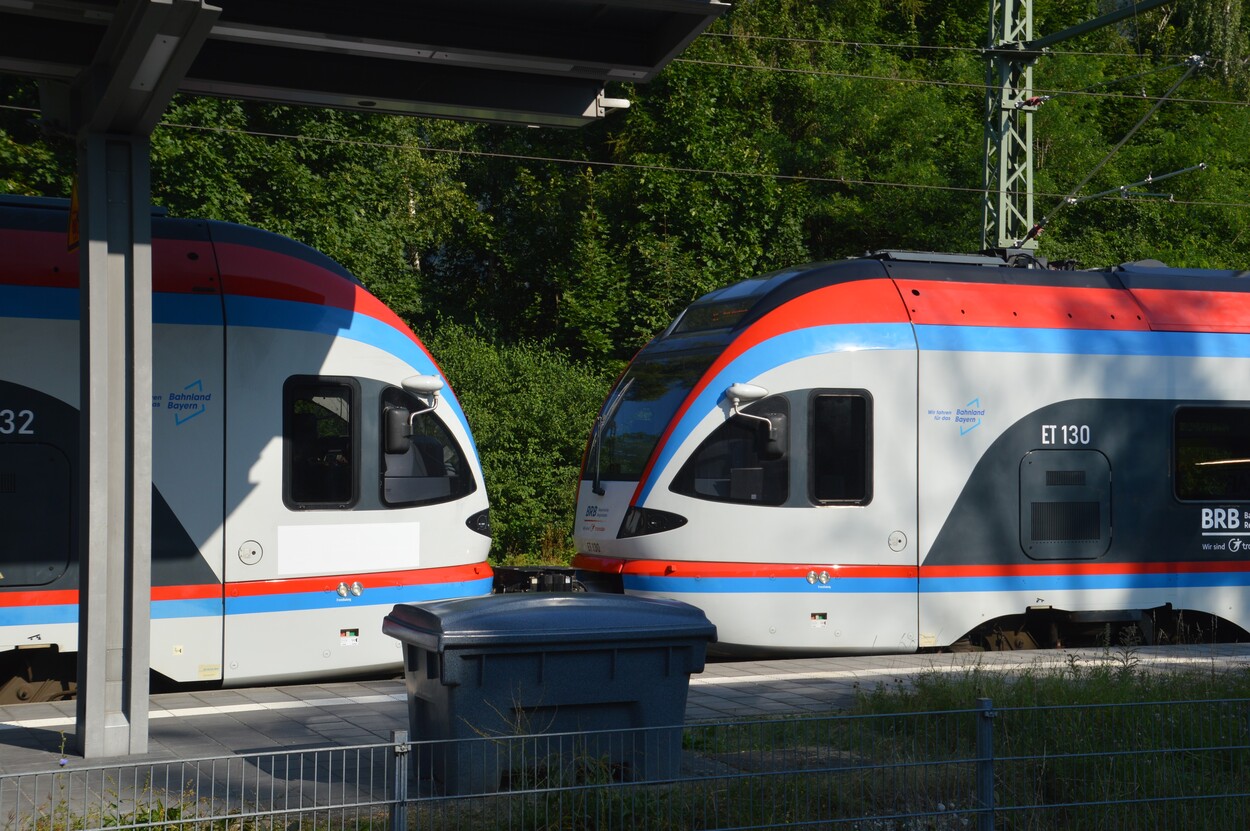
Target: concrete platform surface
(203, 724)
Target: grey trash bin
(611, 671)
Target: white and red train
(908, 451)
(301, 487)
(891, 453)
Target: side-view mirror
(398, 430)
(745, 393)
(770, 442)
(424, 386)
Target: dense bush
(531, 407)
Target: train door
(861, 478)
(276, 594)
(310, 553)
(188, 435)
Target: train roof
(1161, 297)
(48, 214)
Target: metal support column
(112, 108)
(115, 340)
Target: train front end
(732, 466)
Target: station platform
(203, 724)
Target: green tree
(529, 405)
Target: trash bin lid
(538, 617)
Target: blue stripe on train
(1082, 342)
(379, 596)
(1084, 582)
(939, 585)
(768, 585)
(260, 604)
(39, 302)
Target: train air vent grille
(8, 483)
(1065, 478)
(1066, 522)
(1065, 504)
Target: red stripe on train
(294, 585)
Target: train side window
(744, 460)
(426, 466)
(320, 442)
(841, 442)
(1211, 453)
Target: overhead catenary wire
(859, 44)
(651, 167)
(979, 87)
(798, 178)
(1194, 64)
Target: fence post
(399, 794)
(985, 764)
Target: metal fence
(1159, 765)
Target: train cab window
(421, 461)
(1212, 453)
(744, 460)
(841, 460)
(319, 427)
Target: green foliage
(529, 405)
(358, 187)
(30, 164)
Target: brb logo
(1221, 519)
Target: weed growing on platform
(1118, 679)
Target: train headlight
(823, 578)
(811, 577)
(639, 522)
(342, 590)
(480, 522)
(357, 589)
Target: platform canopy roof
(542, 62)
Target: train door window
(841, 441)
(320, 440)
(744, 460)
(422, 462)
(1212, 453)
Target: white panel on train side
(188, 435)
(41, 354)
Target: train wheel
(1010, 639)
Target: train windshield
(638, 410)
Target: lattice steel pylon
(1007, 202)
(1011, 51)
